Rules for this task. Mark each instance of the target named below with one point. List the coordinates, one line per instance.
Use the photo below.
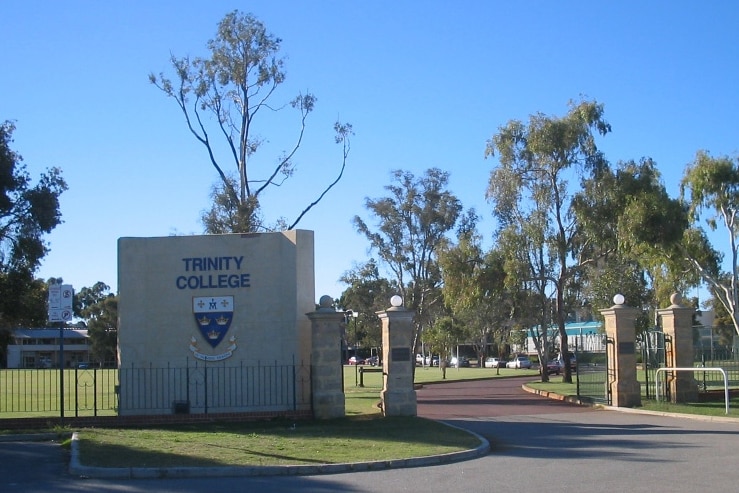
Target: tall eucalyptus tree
(412, 223)
(220, 98)
(710, 189)
(530, 187)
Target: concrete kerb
(559, 397)
(583, 402)
(34, 437)
(76, 468)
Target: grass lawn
(713, 408)
(280, 442)
(363, 435)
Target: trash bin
(180, 407)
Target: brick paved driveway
(486, 398)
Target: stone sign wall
(193, 306)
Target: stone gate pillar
(398, 396)
(621, 332)
(327, 376)
(677, 324)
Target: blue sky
(425, 84)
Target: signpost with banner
(61, 298)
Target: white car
(519, 362)
(460, 362)
(429, 361)
(493, 362)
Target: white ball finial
(396, 301)
(326, 301)
(619, 299)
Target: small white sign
(67, 297)
(55, 296)
(61, 298)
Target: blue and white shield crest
(213, 314)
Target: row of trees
(98, 307)
(572, 231)
(29, 211)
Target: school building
(46, 348)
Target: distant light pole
(355, 315)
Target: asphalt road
(537, 445)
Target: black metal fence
(654, 346)
(47, 392)
(716, 356)
(214, 387)
(594, 375)
(199, 388)
(594, 380)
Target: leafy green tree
(722, 323)
(413, 222)
(99, 308)
(28, 212)
(367, 294)
(441, 337)
(710, 188)
(221, 96)
(536, 160)
(617, 275)
(474, 290)
(631, 230)
(529, 269)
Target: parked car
(372, 360)
(83, 365)
(429, 361)
(460, 362)
(519, 362)
(493, 362)
(553, 367)
(573, 362)
(355, 361)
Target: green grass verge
(715, 407)
(279, 442)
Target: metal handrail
(723, 372)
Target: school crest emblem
(213, 315)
